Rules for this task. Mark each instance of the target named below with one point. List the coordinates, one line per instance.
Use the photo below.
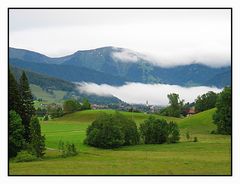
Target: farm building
(191, 111)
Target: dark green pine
(14, 102)
(27, 105)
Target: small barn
(191, 111)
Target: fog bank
(139, 93)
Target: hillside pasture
(211, 155)
(55, 97)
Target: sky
(139, 93)
(166, 37)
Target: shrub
(188, 135)
(45, 118)
(67, 149)
(195, 139)
(158, 131)
(213, 132)
(173, 133)
(154, 131)
(25, 156)
(112, 131)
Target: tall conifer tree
(13, 94)
(37, 141)
(27, 107)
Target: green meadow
(211, 155)
(55, 97)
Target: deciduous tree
(71, 105)
(223, 116)
(206, 101)
(176, 105)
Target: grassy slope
(56, 97)
(211, 155)
(199, 123)
(73, 126)
(90, 115)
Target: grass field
(211, 155)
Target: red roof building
(191, 111)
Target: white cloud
(168, 37)
(139, 93)
(125, 55)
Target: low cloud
(214, 60)
(125, 55)
(139, 93)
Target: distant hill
(49, 84)
(115, 66)
(220, 80)
(44, 81)
(68, 72)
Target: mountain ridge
(100, 66)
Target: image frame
(129, 8)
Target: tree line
(222, 102)
(178, 108)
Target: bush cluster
(112, 131)
(67, 149)
(158, 131)
(25, 156)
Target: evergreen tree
(27, 108)
(37, 141)
(15, 133)
(13, 94)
